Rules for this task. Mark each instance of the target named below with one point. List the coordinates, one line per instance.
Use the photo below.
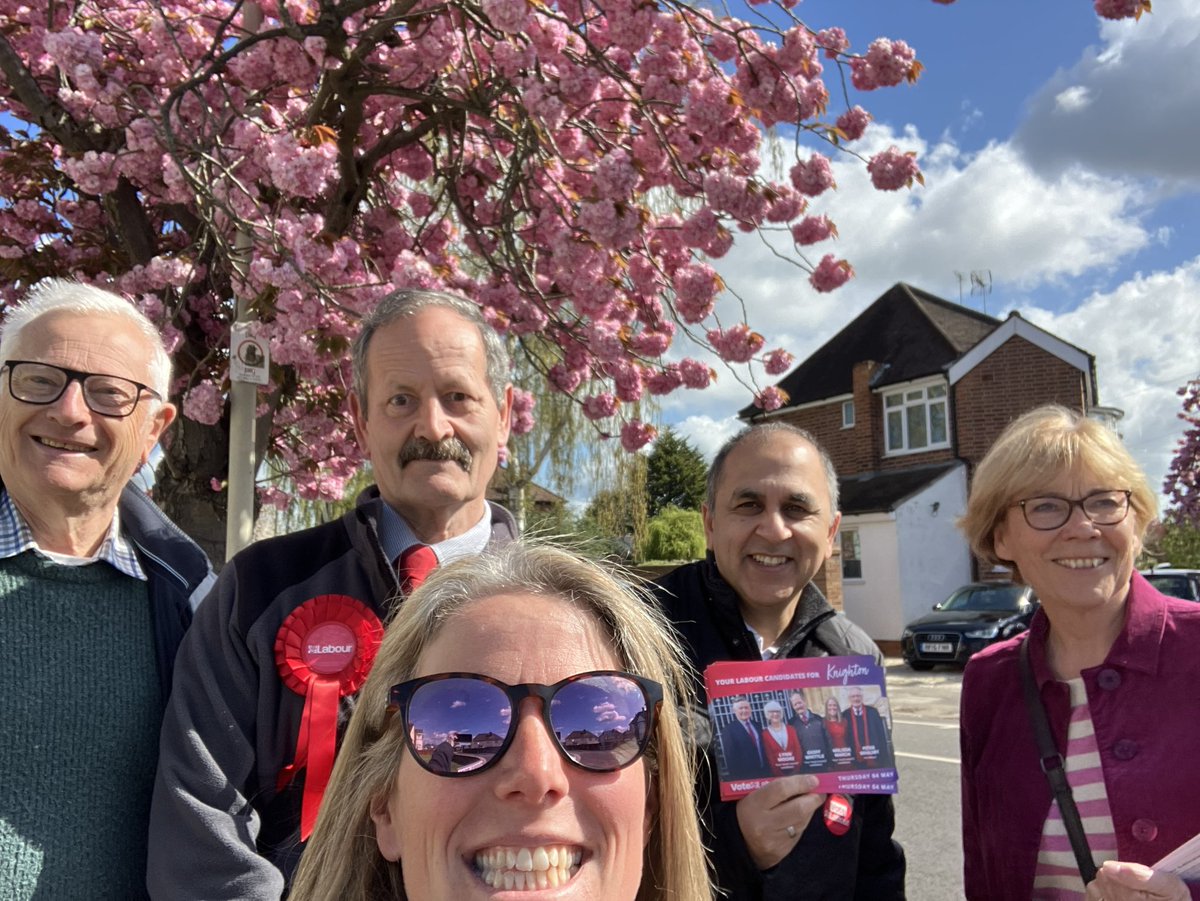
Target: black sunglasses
(458, 724)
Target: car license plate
(937, 647)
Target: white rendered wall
(871, 601)
(933, 555)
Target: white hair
(58, 295)
(772, 705)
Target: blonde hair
(1037, 447)
(342, 860)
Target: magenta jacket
(1145, 704)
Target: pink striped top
(1057, 875)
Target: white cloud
(1142, 119)
(1143, 334)
(984, 211)
(707, 434)
(1073, 99)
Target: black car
(975, 616)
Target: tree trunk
(194, 455)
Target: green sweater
(80, 708)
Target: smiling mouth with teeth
(64, 445)
(768, 560)
(1080, 562)
(528, 868)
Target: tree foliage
(675, 474)
(570, 165)
(674, 534)
(1174, 541)
(1182, 484)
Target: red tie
(414, 565)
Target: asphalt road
(928, 820)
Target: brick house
(908, 398)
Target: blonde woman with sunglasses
(517, 734)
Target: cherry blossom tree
(571, 165)
(1182, 484)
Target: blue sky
(1060, 152)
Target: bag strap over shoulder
(1052, 765)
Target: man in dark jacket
(770, 519)
(237, 789)
(96, 589)
(810, 729)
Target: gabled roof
(883, 492)
(911, 332)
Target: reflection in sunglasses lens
(460, 724)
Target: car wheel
(919, 666)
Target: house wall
(1017, 377)
(933, 555)
(871, 601)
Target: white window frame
(852, 533)
(847, 414)
(907, 402)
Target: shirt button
(1125, 749)
(1109, 679)
(1145, 830)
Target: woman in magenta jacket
(1116, 664)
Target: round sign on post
(249, 357)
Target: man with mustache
(268, 675)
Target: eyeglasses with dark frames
(459, 724)
(115, 396)
(1105, 507)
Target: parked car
(973, 617)
(1178, 583)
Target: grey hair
(406, 302)
(757, 431)
(57, 295)
(772, 705)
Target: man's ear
(156, 424)
(358, 414)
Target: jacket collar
(725, 605)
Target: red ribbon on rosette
(323, 651)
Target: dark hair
(756, 432)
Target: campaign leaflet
(824, 716)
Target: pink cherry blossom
(737, 344)
(771, 398)
(1122, 9)
(778, 361)
(891, 170)
(599, 406)
(814, 176)
(636, 434)
(812, 229)
(830, 273)
(853, 122)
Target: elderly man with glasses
(96, 589)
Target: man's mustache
(448, 449)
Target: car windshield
(1171, 585)
(1001, 597)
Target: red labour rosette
(323, 652)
